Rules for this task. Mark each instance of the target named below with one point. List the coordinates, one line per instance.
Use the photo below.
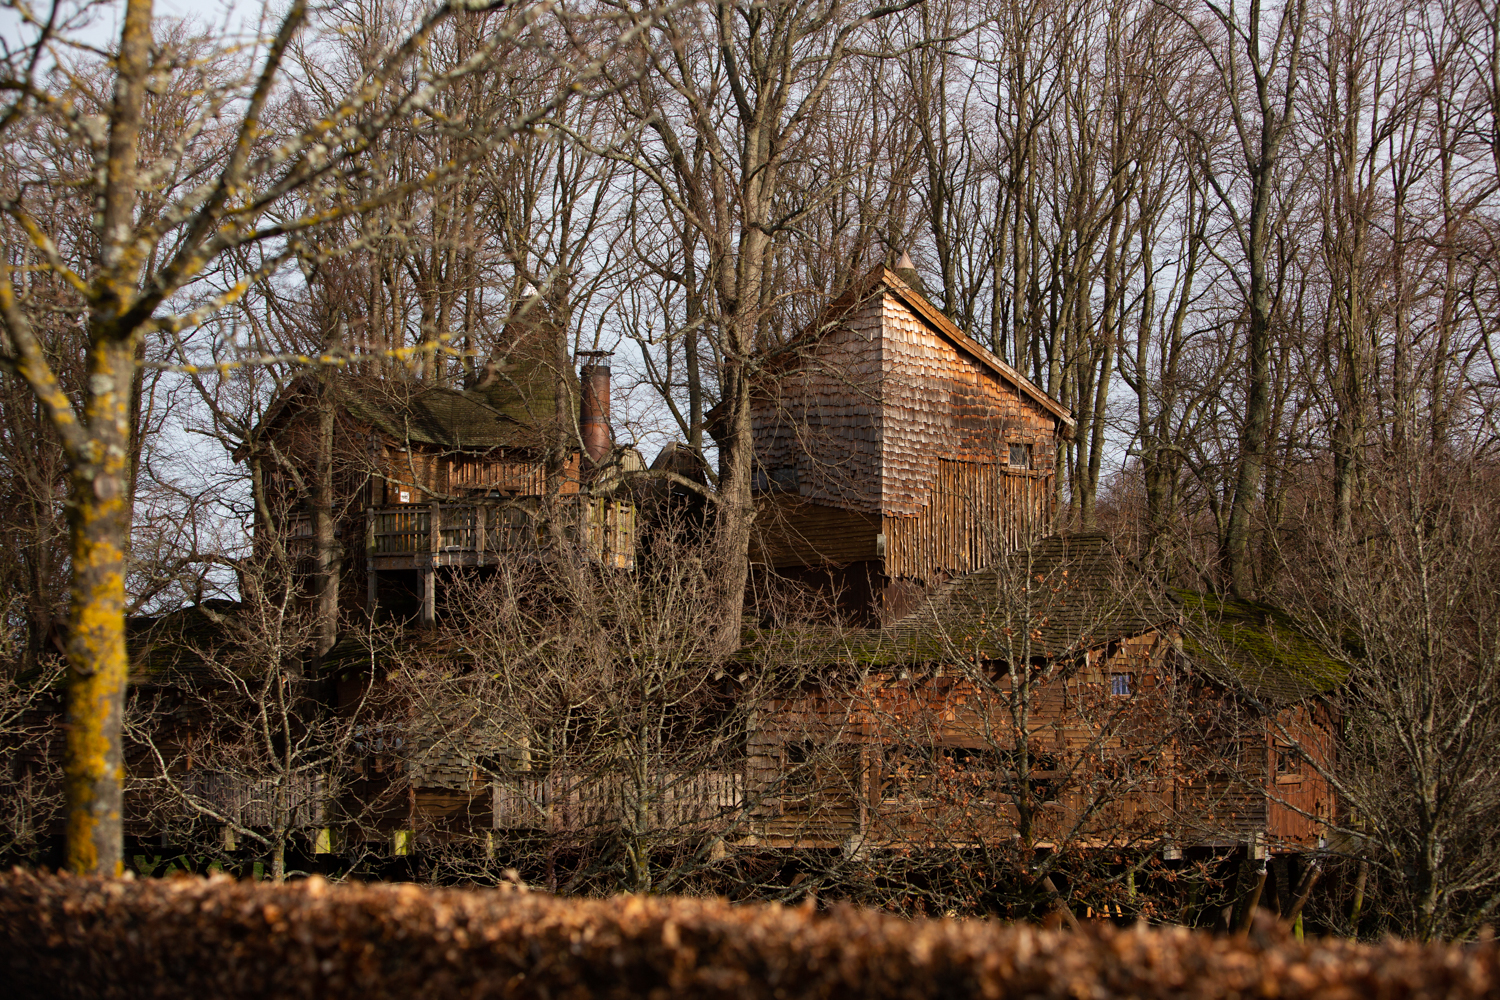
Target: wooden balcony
(483, 533)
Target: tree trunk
(328, 549)
(99, 495)
(99, 523)
(1256, 427)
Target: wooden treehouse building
(427, 480)
(1053, 698)
(896, 452)
(982, 679)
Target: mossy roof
(514, 411)
(1063, 595)
(179, 647)
(1068, 594)
(515, 407)
(1256, 647)
(169, 648)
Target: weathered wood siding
(669, 803)
(885, 414)
(1300, 799)
(975, 511)
(892, 763)
(818, 426)
(790, 531)
(489, 531)
(426, 474)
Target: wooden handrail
(488, 529)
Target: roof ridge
(948, 328)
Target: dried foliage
(192, 938)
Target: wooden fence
(569, 802)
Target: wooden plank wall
(473, 473)
(427, 473)
(1301, 800)
(790, 531)
(893, 763)
(566, 802)
(976, 512)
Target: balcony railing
(423, 536)
(562, 802)
(294, 800)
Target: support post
(1359, 898)
(1060, 904)
(429, 576)
(429, 595)
(1247, 916)
(372, 581)
(1294, 918)
(481, 527)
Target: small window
(801, 777)
(1020, 456)
(1288, 764)
(1120, 685)
(784, 479)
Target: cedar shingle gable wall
(822, 418)
(872, 404)
(941, 403)
(886, 434)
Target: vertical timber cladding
(951, 498)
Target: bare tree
(1256, 59)
(608, 729)
(144, 275)
(1412, 604)
(729, 103)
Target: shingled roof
(170, 648)
(1064, 595)
(512, 412)
(1071, 593)
(515, 408)
(1068, 592)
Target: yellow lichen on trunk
(95, 700)
(99, 522)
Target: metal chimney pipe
(593, 407)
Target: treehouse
(986, 683)
(1051, 701)
(400, 483)
(895, 452)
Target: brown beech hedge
(217, 938)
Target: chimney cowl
(907, 272)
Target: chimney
(593, 407)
